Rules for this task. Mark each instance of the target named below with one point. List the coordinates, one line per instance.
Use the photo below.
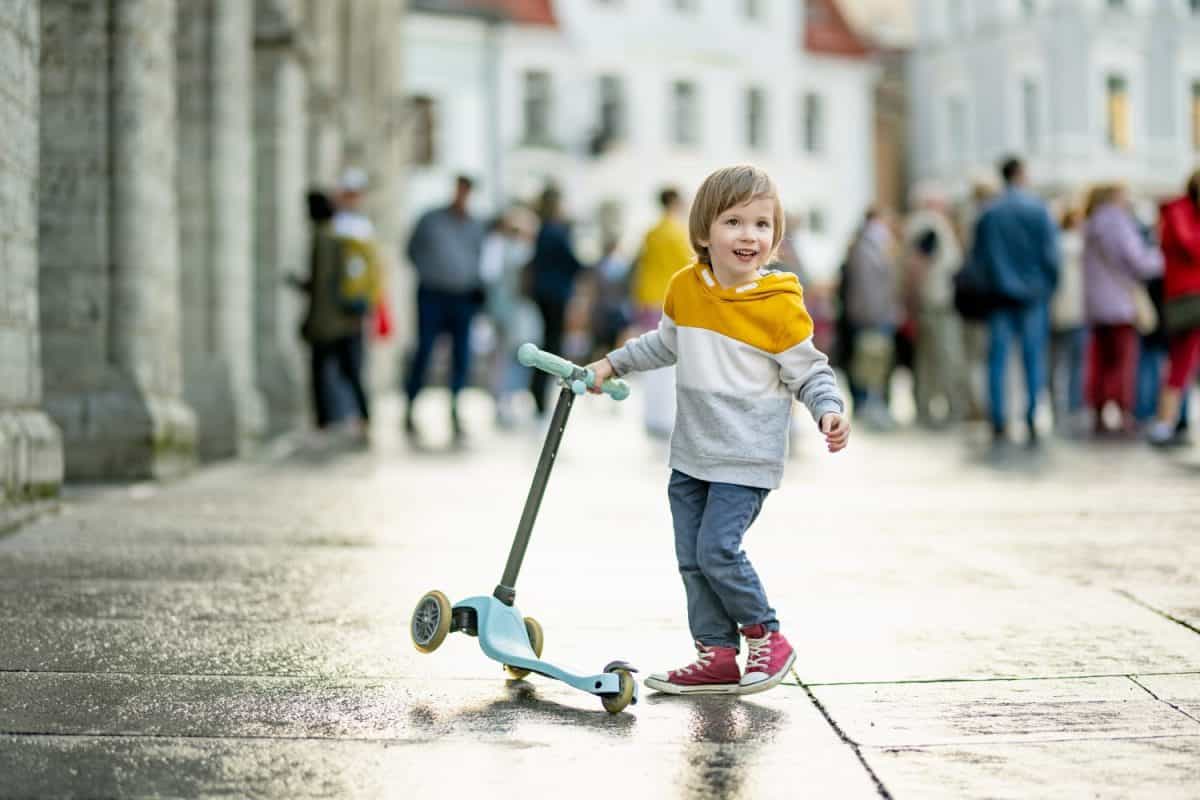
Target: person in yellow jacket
(665, 250)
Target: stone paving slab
(924, 714)
(702, 746)
(299, 768)
(947, 630)
(1120, 769)
(1181, 691)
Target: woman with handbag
(1180, 236)
(1116, 259)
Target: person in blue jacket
(1016, 245)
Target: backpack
(355, 277)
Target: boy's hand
(837, 431)
(603, 370)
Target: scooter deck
(502, 637)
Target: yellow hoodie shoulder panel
(768, 314)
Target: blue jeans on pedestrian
(441, 312)
(1151, 360)
(723, 590)
(1068, 348)
(1030, 324)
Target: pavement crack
(853, 745)
(1165, 615)
(1150, 692)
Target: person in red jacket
(1180, 236)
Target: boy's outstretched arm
(651, 350)
(806, 372)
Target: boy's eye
(731, 221)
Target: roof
(826, 31)
(523, 12)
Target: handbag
(1145, 316)
(974, 296)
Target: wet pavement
(966, 626)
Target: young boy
(742, 342)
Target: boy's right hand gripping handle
(529, 355)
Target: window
(956, 128)
(687, 6)
(612, 107)
(813, 123)
(1030, 117)
(756, 118)
(1194, 6)
(685, 113)
(956, 18)
(1028, 7)
(1196, 116)
(537, 107)
(424, 131)
(1117, 112)
(1116, 5)
(752, 9)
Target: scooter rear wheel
(616, 703)
(430, 621)
(536, 639)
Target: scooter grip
(615, 388)
(529, 355)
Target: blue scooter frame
(504, 635)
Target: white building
(1086, 90)
(614, 99)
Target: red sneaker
(715, 671)
(769, 659)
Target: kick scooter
(504, 635)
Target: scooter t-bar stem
(506, 591)
(575, 380)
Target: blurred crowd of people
(1103, 302)
(1101, 298)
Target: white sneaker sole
(666, 687)
(771, 682)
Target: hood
(769, 283)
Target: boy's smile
(740, 241)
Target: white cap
(354, 179)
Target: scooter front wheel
(616, 703)
(536, 639)
(430, 621)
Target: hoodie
(742, 354)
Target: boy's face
(740, 240)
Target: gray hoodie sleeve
(651, 350)
(806, 372)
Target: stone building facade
(1086, 90)
(151, 205)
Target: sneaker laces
(759, 656)
(701, 662)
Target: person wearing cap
(445, 249)
(350, 221)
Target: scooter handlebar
(529, 355)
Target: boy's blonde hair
(725, 189)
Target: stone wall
(155, 159)
(215, 191)
(30, 448)
(110, 287)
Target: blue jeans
(441, 312)
(1067, 351)
(723, 590)
(1149, 377)
(1031, 326)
